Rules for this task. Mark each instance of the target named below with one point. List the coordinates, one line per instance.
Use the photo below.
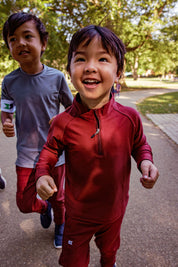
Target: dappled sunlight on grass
(166, 103)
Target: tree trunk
(135, 68)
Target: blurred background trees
(147, 28)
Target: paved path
(150, 226)
(168, 123)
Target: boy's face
(25, 45)
(93, 71)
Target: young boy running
(34, 92)
(99, 137)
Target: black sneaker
(2, 181)
(46, 218)
(59, 229)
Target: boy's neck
(32, 69)
(95, 104)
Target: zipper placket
(97, 132)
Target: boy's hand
(150, 174)
(45, 187)
(8, 128)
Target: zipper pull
(97, 132)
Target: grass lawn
(150, 83)
(160, 104)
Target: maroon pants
(76, 239)
(26, 196)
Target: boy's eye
(103, 59)
(28, 36)
(79, 59)
(12, 39)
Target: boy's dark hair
(109, 41)
(17, 19)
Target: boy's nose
(90, 67)
(21, 42)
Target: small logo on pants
(70, 242)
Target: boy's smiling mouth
(24, 52)
(91, 81)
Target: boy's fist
(8, 128)
(45, 187)
(150, 174)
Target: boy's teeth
(23, 52)
(90, 81)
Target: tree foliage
(147, 28)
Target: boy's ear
(117, 77)
(43, 47)
(119, 74)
